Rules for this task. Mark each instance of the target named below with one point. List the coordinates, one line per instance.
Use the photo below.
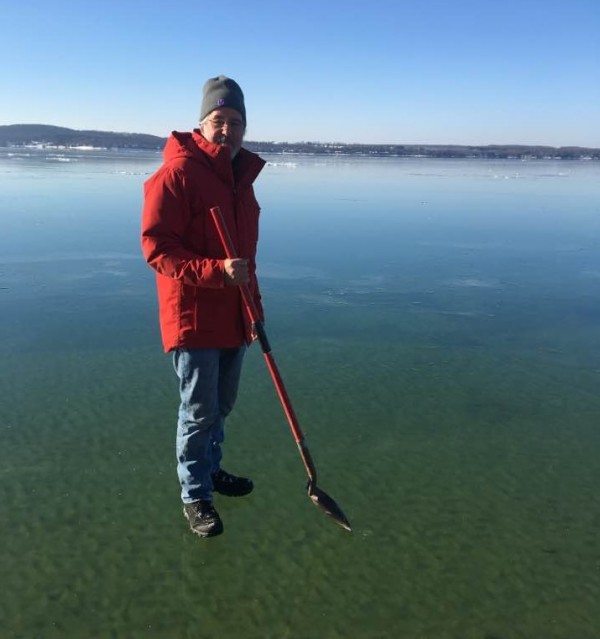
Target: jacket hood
(193, 146)
(181, 145)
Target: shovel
(319, 497)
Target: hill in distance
(47, 135)
(15, 135)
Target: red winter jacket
(180, 241)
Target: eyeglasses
(219, 123)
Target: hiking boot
(230, 485)
(204, 519)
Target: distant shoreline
(46, 136)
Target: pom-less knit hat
(222, 92)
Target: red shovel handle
(227, 243)
(262, 337)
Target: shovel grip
(261, 335)
(229, 248)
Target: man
(202, 319)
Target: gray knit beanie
(222, 92)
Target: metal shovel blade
(323, 501)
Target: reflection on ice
(473, 282)
(278, 271)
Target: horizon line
(327, 142)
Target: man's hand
(236, 272)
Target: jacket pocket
(188, 315)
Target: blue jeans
(208, 385)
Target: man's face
(224, 126)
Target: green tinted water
(436, 326)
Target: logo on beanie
(220, 102)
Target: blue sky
(380, 71)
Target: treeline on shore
(54, 136)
